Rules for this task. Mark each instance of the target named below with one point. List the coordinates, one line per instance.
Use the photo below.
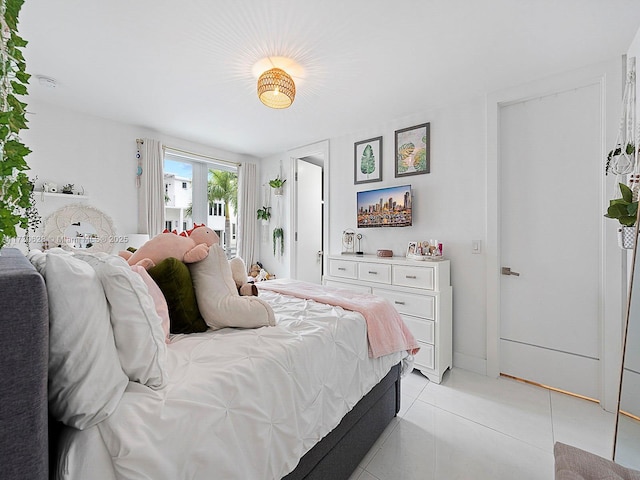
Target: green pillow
(174, 279)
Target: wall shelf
(60, 195)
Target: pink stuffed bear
(186, 248)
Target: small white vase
(627, 237)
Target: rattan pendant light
(276, 88)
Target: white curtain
(151, 191)
(247, 206)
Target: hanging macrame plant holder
(278, 231)
(622, 160)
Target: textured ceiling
(184, 67)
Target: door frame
(611, 259)
(315, 149)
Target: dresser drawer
(411, 304)
(422, 329)
(426, 357)
(374, 272)
(417, 277)
(340, 268)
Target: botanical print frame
(412, 150)
(367, 161)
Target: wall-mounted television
(385, 207)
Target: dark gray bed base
(340, 452)
(24, 346)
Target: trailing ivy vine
(15, 188)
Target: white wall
(96, 154)
(449, 204)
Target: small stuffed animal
(255, 270)
(189, 248)
(239, 273)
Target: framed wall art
(412, 150)
(367, 161)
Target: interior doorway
(309, 206)
(309, 179)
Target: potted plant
(278, 237)
(625, 210)
(618, 161)
(68, 189)
(277, 184)
(264, 214)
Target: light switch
(476, 246)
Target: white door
(550, 235)
(308, 237)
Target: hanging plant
(621, 160)
(625, 208)
(15, 188)
(278, 237)
(277, 184)
(264, 213)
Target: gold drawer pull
(373, 273)
(398, 303)
(413, 277)
(342, 269)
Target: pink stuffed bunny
(186, 248)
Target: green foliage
(278, 237)
(16, 202)
(624, 209)
(277, 182)
(368, 161)
(264, 213)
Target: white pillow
(162, 309)
(86, 380)
(137, 327)
(218, 299)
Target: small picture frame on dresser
(411, 248)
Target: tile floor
(475, 427)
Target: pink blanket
(386, 331)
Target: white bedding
(239, 404)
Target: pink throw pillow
(158, 299)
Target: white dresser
(420, 291)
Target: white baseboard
(470, 363)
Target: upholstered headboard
(24, 346)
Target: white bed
(238, 404)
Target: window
(178, 179)
(201, 192)
(216, 209)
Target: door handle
(508, 271)
(320, 253)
